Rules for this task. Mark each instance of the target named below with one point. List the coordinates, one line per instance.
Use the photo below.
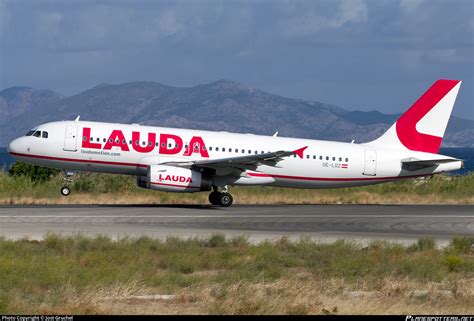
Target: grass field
(80, 275)
(117, 189)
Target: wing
(242, 163)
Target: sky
(357, 54)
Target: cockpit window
(37, 133)
(31, 132)
(45, 135)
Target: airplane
(189, 161)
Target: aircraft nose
(13, 147)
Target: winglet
(300, 151)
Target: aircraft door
(370, 165)
(70, 139)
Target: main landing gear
(66, 190)
(223, 199)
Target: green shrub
(423, 244)
(35, 173)
(453, 263)
(462, 244)
(216, 240)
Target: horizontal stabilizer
(412, 164)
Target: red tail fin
(422, 126)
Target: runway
(322, 222)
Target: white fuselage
(111, 148)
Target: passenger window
(104, 140)
(150, 143)
(314, 156)
(250, 152)
(217, 149)
(45, 134)
(210, 148)
(347, 159)
(124, 142)
(256, 152)
(340, 159)
(327, 157)
(333, 159)
(243, 151)
(110, 140)
(84, 138)
(307, 156)
(223, 149)
(92, 139)
(156, 144)
(320, 157)
(98, 139)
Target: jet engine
(174, 179)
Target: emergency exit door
(370, 166)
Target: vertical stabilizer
(422, 126)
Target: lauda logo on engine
(174, 178)
(168, 144)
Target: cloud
(300, 48)
(410, 6)
(4, 17)
(315, 18)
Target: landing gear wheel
(214, 198)
(65, 191)
(225, 199)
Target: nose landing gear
(66, 190)
(223, 199)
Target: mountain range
(221, 105)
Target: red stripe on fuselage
(75, 160)
(302, 178)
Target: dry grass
(306, 197)
(300, 294)
(79, 275)
(117, 189)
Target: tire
(225, 200)
(214, 198)
(65, 191)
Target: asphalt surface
(322, 222)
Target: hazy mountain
(17, 101)
(221, 105)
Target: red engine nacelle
(174, 179)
